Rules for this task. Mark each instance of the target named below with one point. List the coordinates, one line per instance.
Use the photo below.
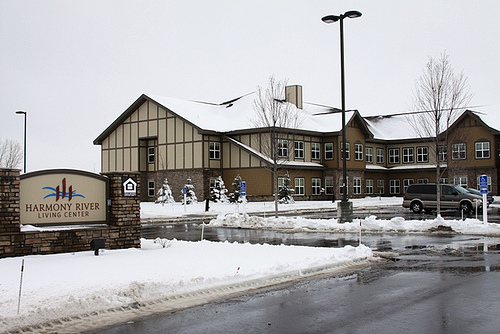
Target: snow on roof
(238, 114)
(391, 127)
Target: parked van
(420, 197)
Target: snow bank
(65, 285)
(369, 224)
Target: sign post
(483, 188)
(243, 194)
(184, 192)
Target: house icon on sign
(129, 187)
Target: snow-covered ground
(72, 285)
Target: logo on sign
(59, 192)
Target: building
(179, 140)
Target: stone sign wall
(122, 229)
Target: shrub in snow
(190, 194)
(164, 195)
(218, 192)
(284, 191)
(165, 243)
(234, 196)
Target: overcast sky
(75, 66)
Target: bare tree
(279, 120)
(11, 153)
(440, 95)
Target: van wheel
(416, 207)
(466, 207)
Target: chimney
(293, 94)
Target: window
(299, 186)
(369, 155)
(328, 151)
(394, 186)
(482, 150)
(316, 151)
(341, 185)
(151, 155)
(299, 149)
(422, 154)
(406, 184)
(347, 151)
(356, 185)
(443, 153)
(358, 151)
(394, 155)
(443, 180)
(380, 155)
(282, 148)
(316, 186)
(380, 187)
(213, 184)
(407, 155)
(214, 150)
(460, 180)
(458, 151)
(151, 189)
(329, 185)
(424, 180)
(369, 186)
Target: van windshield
(461, 190)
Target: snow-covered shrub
(165, 243)
(285, 192)
(164, 195)
(218, 192)
(190, 193)
(234, 196)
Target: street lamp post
(21, 112)
(345, 212)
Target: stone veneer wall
(123, 230)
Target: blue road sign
(243, 188)
(483, 184)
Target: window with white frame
(369, 155)
(356, 186)
(151, 155)
(214, 150)
(422, 154)
(316, 186)
(380, 155)
(151, 189)
(407, 155)
(443, 180)
(394, 155)
(369, 186)
(423, 180)
(489, 183)
(458, 151)
(443, 152)
(212, 184)
(282, 148)
(460, 181)
(380, 187)
(482, 149)
(394, 186)
(347, 151)
(329, 185)
(300, 186)
(358, 151)
(316, 151)
(341, 185)
(299, 149)
(328, 151)
(406, 184)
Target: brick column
(9, 201)
(124, 212)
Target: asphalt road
(437, 284)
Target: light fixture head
(352, 14)
(20, 112)
(330, 18)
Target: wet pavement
(436, 284)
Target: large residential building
(179, 140)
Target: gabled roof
(236, 114)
